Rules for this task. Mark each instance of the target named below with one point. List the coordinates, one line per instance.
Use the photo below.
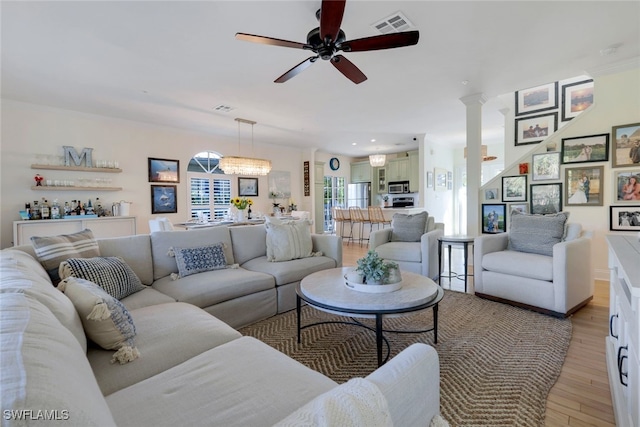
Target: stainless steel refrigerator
(359, 195)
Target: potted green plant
(375, 270)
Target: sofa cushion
(106, 321)
(110, 273)
(290, 271)
(248, 383)
(289, 240)
(161, 241)
(52, 250)
(167, 335)
(212, 287)
(202, 258)
(408, 228)
(521, 264)
(536, 233)
(20, 272)
(249, 242)
(146, 297)
(401, 251)
(134, 250)
(44, 367)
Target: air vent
(395, 23)
(223, 108)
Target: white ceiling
(171, 63)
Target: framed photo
(429, 179)
(440, 179)
(519, 207)
(627, 186)
(491, 194)
(533, 129)
(546, 166)
(584, 186)
(624, 218)
(163, 199)
(576, 97)
(546, 198)
(247, 186)
(494, 218)
(626, 145)
(164, 170)
(539, 98)
(584, 149)
(514, 188)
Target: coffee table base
(379, 330)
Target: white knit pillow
(287, 241)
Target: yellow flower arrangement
(241, 203)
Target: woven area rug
(497, 362)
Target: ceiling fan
(328, 39)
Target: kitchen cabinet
(108, 226)
(414, 172)
(381, 180)
(622, 343)
(398, 169)
(361, 172)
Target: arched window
(210, 187)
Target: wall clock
(334, 164)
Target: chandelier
(377, 160)
(237, 165)
(485, 157)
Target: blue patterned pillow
(203, 258)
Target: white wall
(29, 130)
(616, 102)
(439, 204)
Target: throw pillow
(408, 228)
(196, 260)
(536, 234)
(52, 250)
(290, 240)
(106, 321)
(110, 273)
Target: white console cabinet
(623, 342)
(108, 226)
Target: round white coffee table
(326, 290)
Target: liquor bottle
(35, 211)
(249, 213)
(27, 208)
(98, 209)
(45, 211)
(78, 208)
(67, 209)
(55, 210)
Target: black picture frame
(592, 188)
(536, 99)
(618, 215)
(534, 129)
(585, 149)
(576, 97)
(545, 198)
(164, 170)
(494, 218)
(625, 139)
(164, 199)
(247, 186)
(514, 188)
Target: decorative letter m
(71, 153)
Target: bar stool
(357, 217)
(377, 217)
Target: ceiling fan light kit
(328, 39)
(237, 165)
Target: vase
(240, 216)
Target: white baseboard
(601, 275)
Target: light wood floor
(581, 396)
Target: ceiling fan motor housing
(325, 49)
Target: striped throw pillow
(52, 250)
(110, 273)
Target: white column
(474, 159)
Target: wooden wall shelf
(47, 188)
(76, 168)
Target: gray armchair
(557, 283)
(414, 251)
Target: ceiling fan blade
(331, 13)
(385, 41)
(296, 70)
(269, 40)
(348, 68)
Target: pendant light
(237, 165)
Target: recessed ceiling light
(373, 140)
(354, 143)
(465, 82)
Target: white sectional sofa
(193, 368)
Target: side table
(455, 240)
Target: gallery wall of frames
(573, 173)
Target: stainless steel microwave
(399, 187)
